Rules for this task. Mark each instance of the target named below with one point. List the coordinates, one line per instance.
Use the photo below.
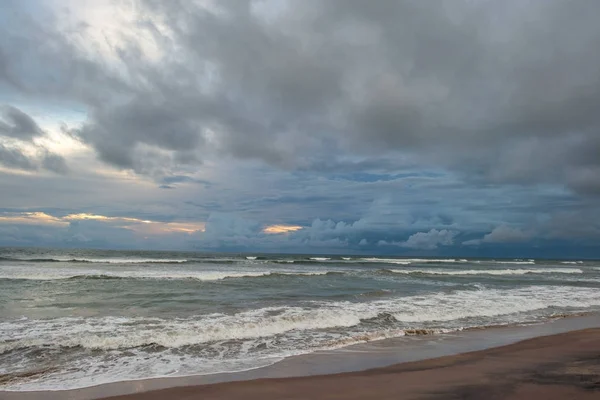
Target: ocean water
(75, 318)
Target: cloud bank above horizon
(404, 127)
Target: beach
(563, 366)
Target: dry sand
(563, 366)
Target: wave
(319, 258)
(380, 335)
(385, 260)
(93, 350)
(163, 275)
(307, 324)
(571, 262)
(99, 260)
(376, 293)
(407, 261)
(40, 260)
(517, 262)
(488, 271)
(100, 277)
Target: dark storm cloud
(488, 89)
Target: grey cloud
(425, 240)
(56, 68)
(14, 158)
(486, 89)
(503, 234)
(55, 163)
(489, 97)
(15, 123)
(175, 179)
(116, 133)
(581, 224)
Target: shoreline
(561, 366)
(353, 359)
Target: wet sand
(563, 366)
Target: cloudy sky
(343, 126)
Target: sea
(76, 318)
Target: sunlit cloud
(279, 229)
(96, 217)
(31, 218)
(141, 226)
(161, 228)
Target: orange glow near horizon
(32, 218)
(279, 229)
(84, 216)
(158, 228)
(142, 226)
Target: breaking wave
(488, 271)
(99, 260)
(111, 333)
(407, 261)
(174, 275)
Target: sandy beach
(563, 366)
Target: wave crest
(487, 271)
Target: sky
(343, 126)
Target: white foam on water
(126, 332)
(320, 258)
(111, 260)
(136, 365)
(386, 260)
(490, 271)
(438, 260)
(528, 262)
(50, 272)
(571, 262)
(407, 261)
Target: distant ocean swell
(275, 260)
